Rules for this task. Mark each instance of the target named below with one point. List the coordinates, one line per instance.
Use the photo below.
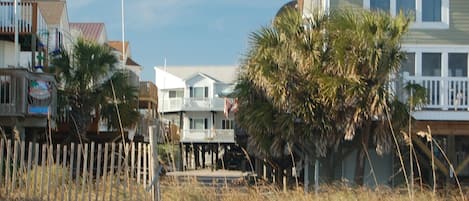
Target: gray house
(437, 48)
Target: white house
(188, 97)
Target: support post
(306, 174)
(155, 185)
(316, 176)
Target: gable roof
(202, 75)
(117, 45)
(225, 74)
(131, 62)
(90, 31)
(51, 11)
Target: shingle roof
(131, 62)
(51, 11)
(117, 45)
(91, 31)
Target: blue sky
(185, 32)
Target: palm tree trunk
(360, 160)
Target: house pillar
(451, 150)
(217, 147)
(211, 155)
(203, 156)
(196, 156)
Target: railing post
(34, 18)
(444, 89)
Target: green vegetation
(91, 85)
(310, 86)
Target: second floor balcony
(24, 93)
(30, 22)
(190, 104)
(208, 136)
(447, 98)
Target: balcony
(447, 98)
(24, 93)
(190, 104)
(208, 136)
(30, 20)
(148, 92)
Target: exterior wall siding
(7, 54)
(457, 34)
(343, 4)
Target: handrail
(30, 19)
(443, 92)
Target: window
(198, 92)
(457, 64)
(5, 92)
(227, 124)
(407, 7)
(431, 64)
(380, 5)
(427, 14)
(176, 94)
(431, 10)
(198, 123)
(408, 64)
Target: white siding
(7, 54)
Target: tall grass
(193, 191)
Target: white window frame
(443, 49)
(419, 24)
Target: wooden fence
(110, 171)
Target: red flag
(227, 108)
(234, 107)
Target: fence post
(154, 132)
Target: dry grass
(193, 191)
(196, 192)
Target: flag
(234, 107)
(227, 107)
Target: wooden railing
(443, 93)
(24, 93)
(208, 136)
(30, 19)
(148, 92)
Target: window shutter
(206, 92)
(206, 123)
(191, 92)
(191, 123)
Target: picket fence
(90, 171)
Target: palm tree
(86, 74)
(324, 79)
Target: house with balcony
(437, 48)
(27, 96)
(188, 98)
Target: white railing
(208, 136)
(30, 19)
(443, 92)
(190, 104)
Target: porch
(207, 136)
(24, 93)
(446, 98)
(190, 104)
